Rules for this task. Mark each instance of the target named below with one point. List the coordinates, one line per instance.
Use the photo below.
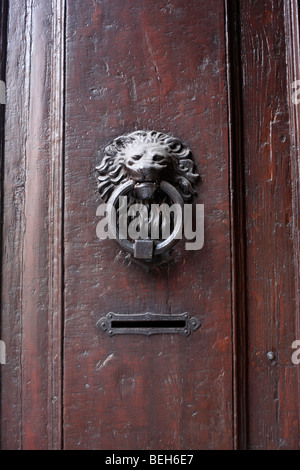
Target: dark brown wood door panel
(218, 76)
(157, 392)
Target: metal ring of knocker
(160, 247)
(148, 161)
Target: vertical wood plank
(151, 65)
(56, 207)
(11, 318)
(32, 227)
(238, 249)
(292, 34)
(3, 47)
(270, 179)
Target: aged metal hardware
(160, 245)
(147, 167)
(271, 355)
(147, 324)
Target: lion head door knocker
(145, 178)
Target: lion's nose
(151, 167)
(150, 173)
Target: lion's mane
(112, 171)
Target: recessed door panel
(155, 66)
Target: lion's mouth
(146, 190)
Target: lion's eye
(158, 158)
(182, 167)
(136, 157)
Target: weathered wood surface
(3, 43)
(31, 283)
(271, 181)
(154, 66)
(218, 76)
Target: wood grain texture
(292, 32)
(3, 45)
(238, 223)
(31, 254)
(217, 75)
(56, 206)
(273, 387)
(133, 65)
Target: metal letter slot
(148, 324)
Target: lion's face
(149, 157)
(146, 162)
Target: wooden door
(218, 75)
